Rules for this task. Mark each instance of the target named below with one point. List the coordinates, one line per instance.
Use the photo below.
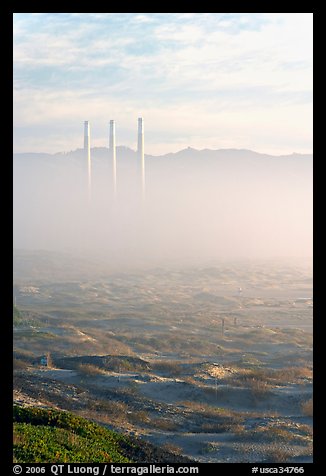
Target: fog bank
(198, 206)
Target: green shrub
(54, 436)
(17, 318)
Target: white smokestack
(86, 136)
(140, 150)
(113, 154)
(87, 149)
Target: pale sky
(205, 80)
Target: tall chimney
(113, 155)
(87, 150)
(140, 150)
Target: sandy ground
(165, 316)
(204, 446)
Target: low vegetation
(278, 454)
(19, 364)
(17, 317)
(260, 381)
(89, 369)
(170, 369)
(307, 408)
(144, 354)
(54, 436)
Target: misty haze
(162, 262)
(199, 205)
(186, 300)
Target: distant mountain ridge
(189, 152)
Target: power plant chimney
(140, 151)
(113, 155)
(87, 150)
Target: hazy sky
(206, 80)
